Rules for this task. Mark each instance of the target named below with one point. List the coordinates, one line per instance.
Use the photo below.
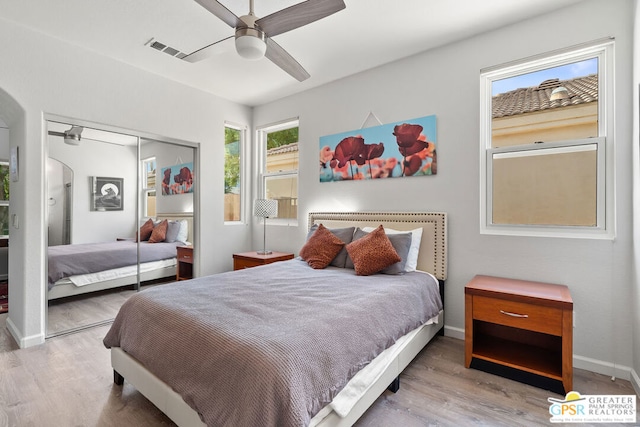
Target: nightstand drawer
(521, 315)
(239, 264)
(254, 259)
(185, 254)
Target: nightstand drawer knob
(507, 313)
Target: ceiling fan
(71, 136)
(253, 35)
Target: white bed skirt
(148, 271)
(116, 273)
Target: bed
(342, 401)
(79, 273)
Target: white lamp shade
(265, 208)
(250, 47)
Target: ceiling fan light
(250, 43)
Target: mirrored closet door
(104, 190)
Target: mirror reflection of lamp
(265, 208)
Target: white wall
(38, 81)
(445, 82)
(90, 159)
(635, 295)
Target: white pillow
(183, 234)
(416, 238)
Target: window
(4, 199)
(279, 166)
(149, 186)
(546, 145)
(233, 137)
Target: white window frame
(243, 172)
(261, 135)
(145, 188)
(605, 221)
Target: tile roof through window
(289, 148)
(581, 90)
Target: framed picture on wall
(106, 193)
(394, 150)
(177, 179)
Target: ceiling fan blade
(221, 12)
(298, 15)
(209, 51)
(282, 59)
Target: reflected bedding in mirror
(70, 260)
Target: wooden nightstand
(521, 330)
(253, 259)
(184, 267)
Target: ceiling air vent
(155, 44)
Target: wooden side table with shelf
(254, 259)
(520, 329)
(184, 266)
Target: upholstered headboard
(433, 246)
(177, 217)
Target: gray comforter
(69, 260)
(270, 345)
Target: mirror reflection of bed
(94, 260)
(83, 300)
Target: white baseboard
(580, 362)
(450, 331)
(602, 367)
(635, 381)
(23, 342)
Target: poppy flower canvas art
(177, 179)
(393, 150)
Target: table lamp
(265, 208)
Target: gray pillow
(401, 242)
(344, 234)
(173, 228)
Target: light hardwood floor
(68, 382)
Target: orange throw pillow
(372, 253)
(321, 248)
(159, 232)
(145, 230)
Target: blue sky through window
(150, 165)
(563, 72)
